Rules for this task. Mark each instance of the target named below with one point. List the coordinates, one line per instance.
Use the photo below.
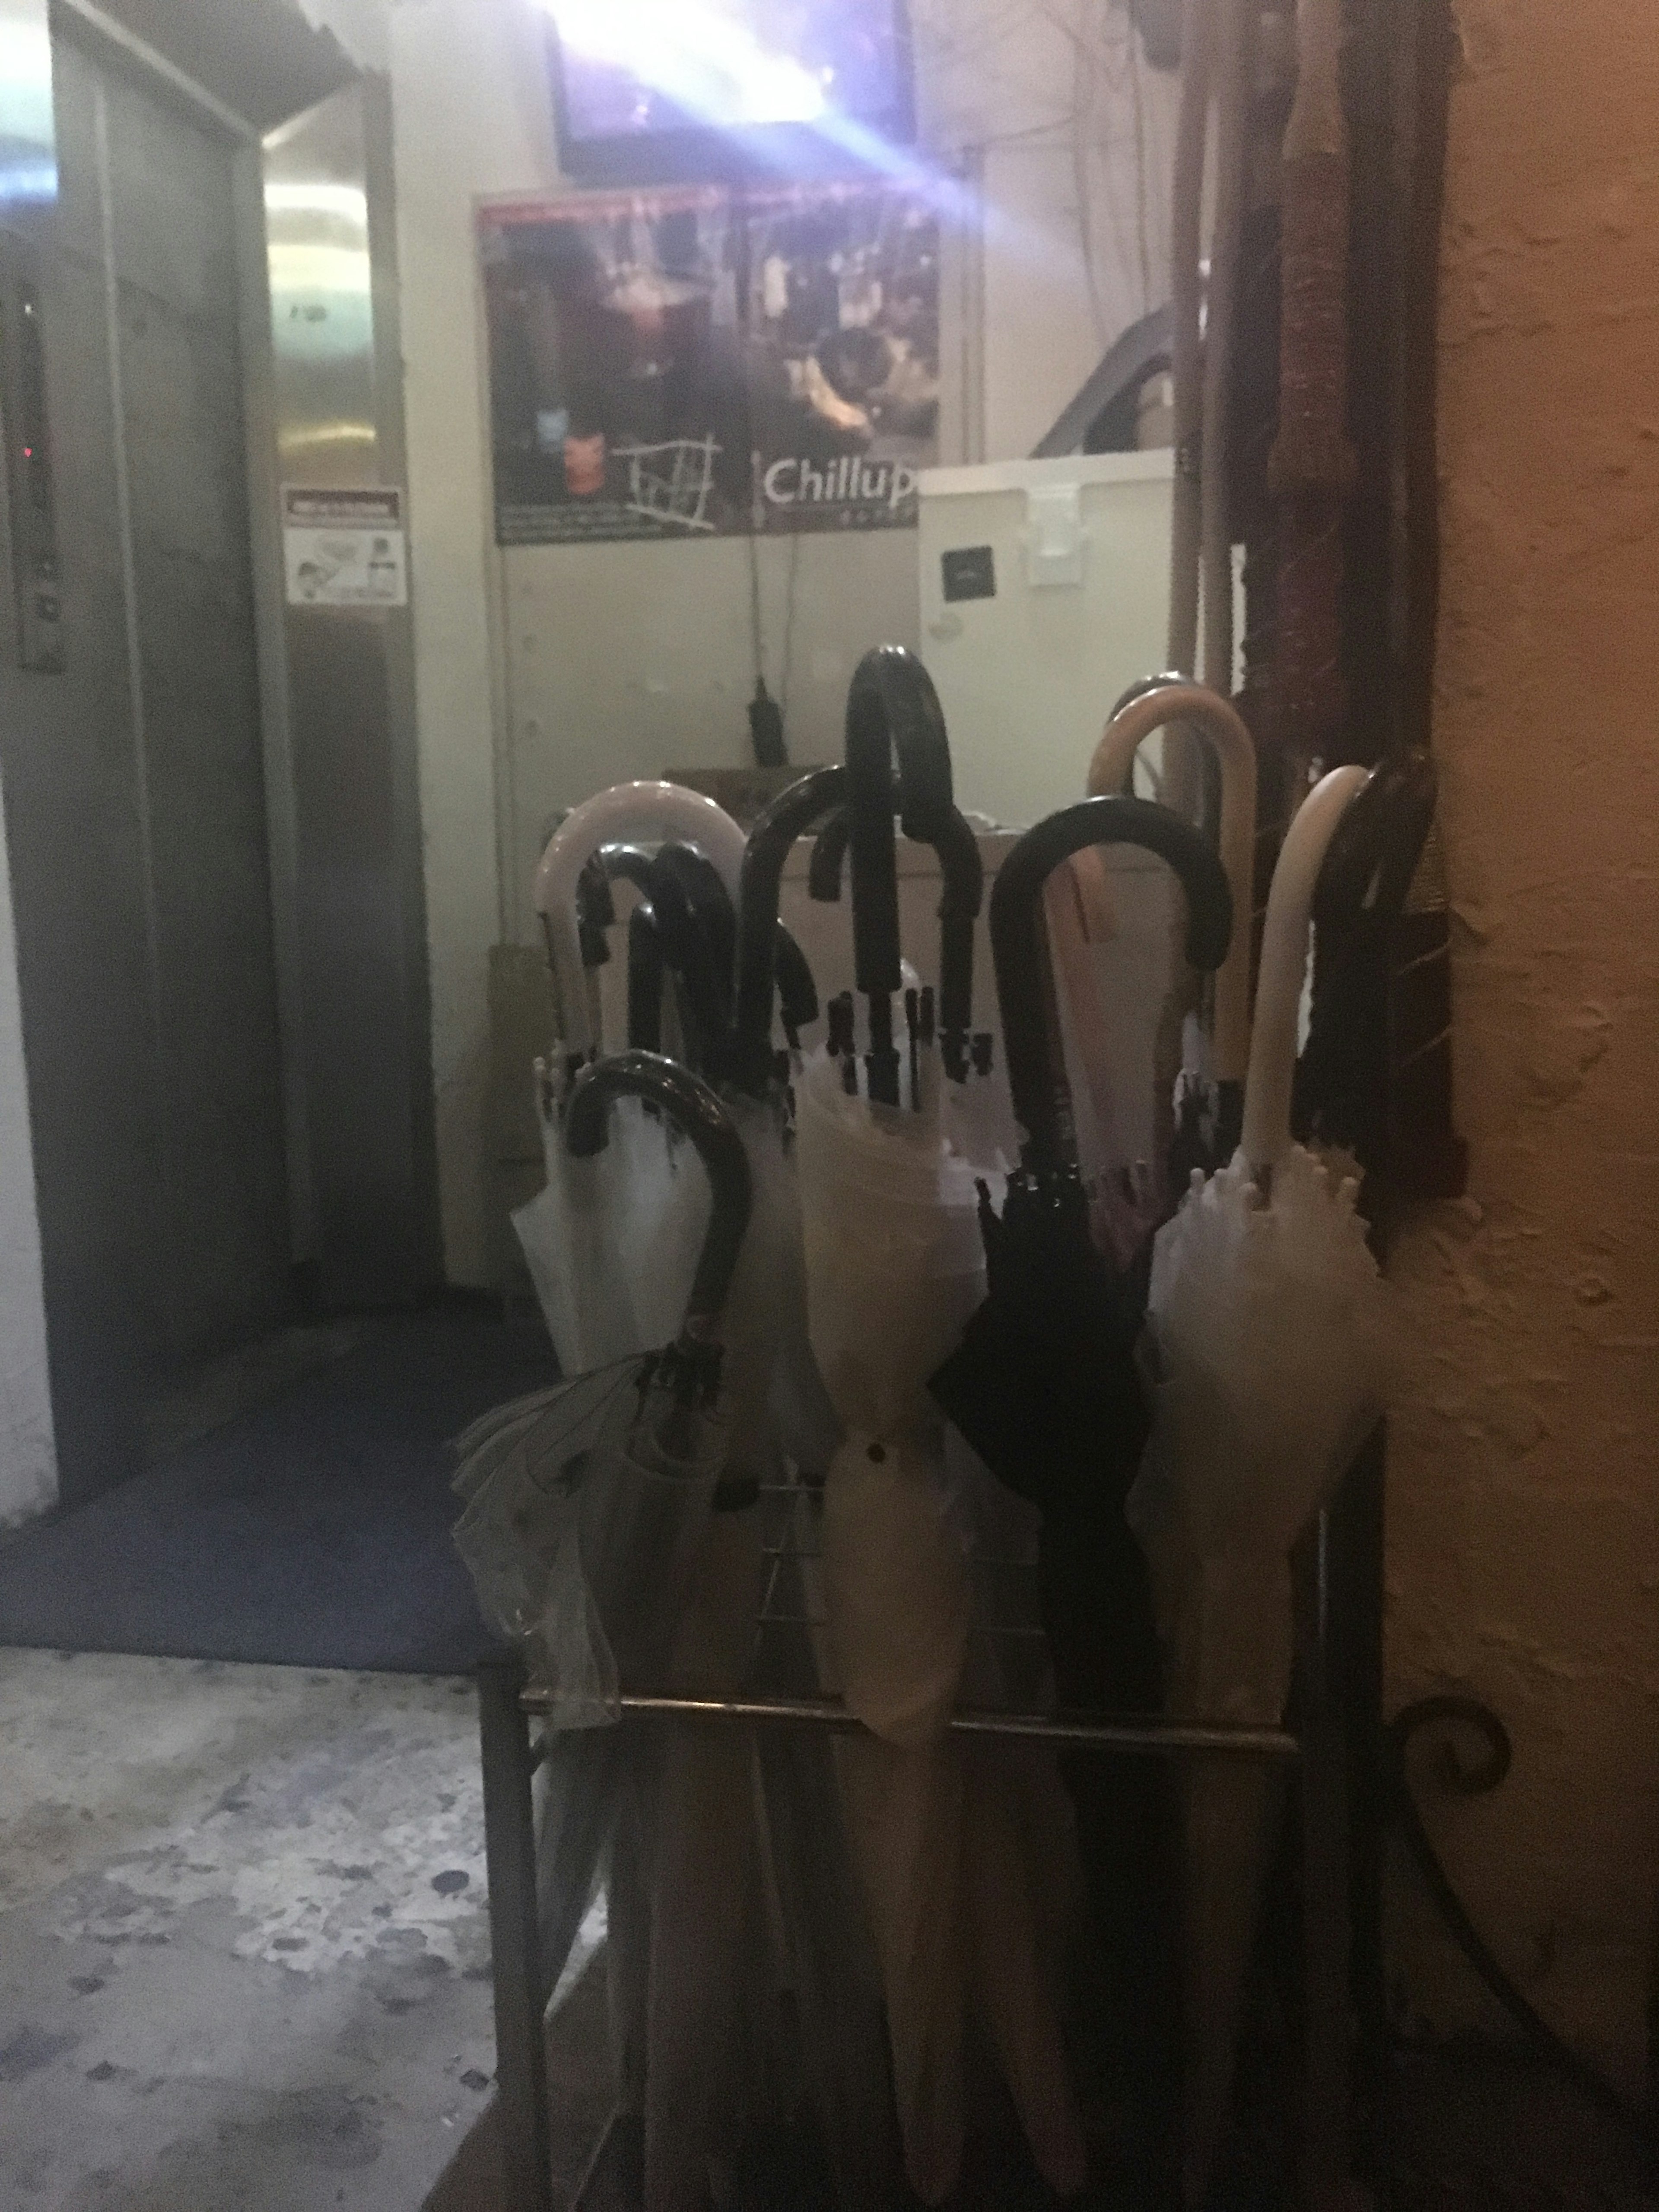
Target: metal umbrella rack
(791, 1713)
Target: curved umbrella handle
(798, 989)
(790, 816)
(828, 852)
(685, 1100)
(1376, 847)
(650, 811)
(647, 968)
(1018, 948)
(626, 863)
(1267, 1133)
(1141, 686)
(699, 935)
(1218, 720)
(962, 873)
(893, 713)
(595, 911)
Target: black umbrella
(1044, 1386)
(892, 710)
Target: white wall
(28, 1460)
(469, 118)
(546, 672)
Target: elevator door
(134, 788)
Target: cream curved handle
(1219, 722)
(645, 812)
(1266, 1133)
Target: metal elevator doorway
(133, 778)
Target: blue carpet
(311, 1532)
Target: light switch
(1053, 536)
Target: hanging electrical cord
(1232, 64)
(766, 737)
(787, 669)
(765, 714)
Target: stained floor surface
(244, 1956)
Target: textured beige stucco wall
(1524, 1549)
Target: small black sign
(970, 573)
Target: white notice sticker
(342, 546)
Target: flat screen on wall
(703, 91)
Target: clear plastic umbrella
(894, 1269)
(608, 1241)
(636, 813)
(588, 1506)
(1268, 1331)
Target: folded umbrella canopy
(893, 1269)
(588, 1506)
(1267, 1322)
(1045, 1387)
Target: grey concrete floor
(244, 1956)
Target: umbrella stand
(510, 1710)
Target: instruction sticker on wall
(344, 547)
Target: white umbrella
(893, 1270)
(1217, 721)
(1266, 1321)
(1116, 939)
(609, 1242)
(627, 813)
(588, 1507)
(895, 1267)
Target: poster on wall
(690, 361)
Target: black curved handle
(595, 911)
(791, 815)
(1373, 854)
(829, 855)
(1020, 953)
(693, 913)
(798, 990)
(646, 969)
(687, 1101)
(1141, 686)
(631, 863)
(893, 713)
(962, 874)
